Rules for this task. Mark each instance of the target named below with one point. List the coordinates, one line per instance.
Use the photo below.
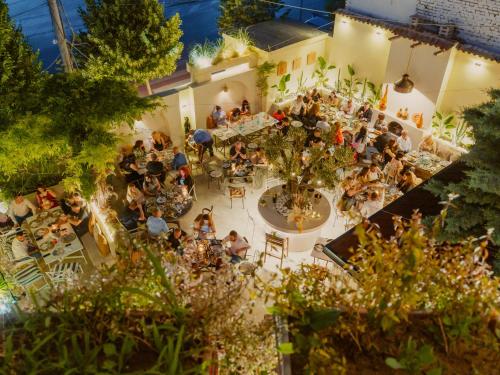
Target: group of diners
(203, 229)
(21, 208)
(219, 117)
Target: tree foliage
(20, 71)
(129, 42)
(429, 305)
(237, 14)
(477, 207)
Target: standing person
(179, 160)
(20, 209)
(237, 246)
(204, 141)
(156, 224)
(219, 116)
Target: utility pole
(60, 35)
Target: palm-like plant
(321, 71)
(351, 83)
(301, 83)
(376, 93)
(461, 131)
(442, 123)
(282, 87)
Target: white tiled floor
(247, 221)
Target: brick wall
(477, 21)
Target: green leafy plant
(202, 54)
(243, 41)
(264, 70)
(376, 93)
(338, 83)
(415, 360)
(237, 14)
(461, 131)
(301, 83)
(442, 124)
(321, 71)
(282, 87)
(351, 83)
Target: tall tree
(477, 206)
(237, 14)
(20, 71)
(129, 40)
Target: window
(282, 68)
(311, 58)
(296, 63)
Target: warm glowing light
(240, 48)
(203, 62)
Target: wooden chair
(237, 192)
(276, 247)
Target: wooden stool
(276, 247)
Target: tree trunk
(148, 87)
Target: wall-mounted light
(478, 63)
(378, 32)
(344, 22)
(225, 88)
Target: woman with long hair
(134, 195)
(204, 226)
(184, 178)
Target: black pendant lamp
(405, 84)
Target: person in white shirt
(20, 247)
(323, 125)
(375, 173)
(404, 142)
(237, 246)
(298, 107)
(374, 203)
(20, 209)
(348, 107)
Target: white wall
(209, 94)
(396, 10)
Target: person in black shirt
(382, 140)
(365, 112)
(156, 168)
(176, 239)
(79, 219)
(238, 152)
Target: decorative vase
(383, 101)
(404, 115)
(400, 113)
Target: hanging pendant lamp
(405, 84)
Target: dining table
(426, 164)
(205, 254)
(237, 171)
(166, 157)
(54, 236)
(174, 201)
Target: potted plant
(376, 93)
(321, 72)
(282, 87)
(442, 123)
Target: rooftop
(276, 34)
(422, 36)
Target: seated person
(360, 140)
(128, 164)
(314, 111)
(160, 141)
(156, 224)
(219, 116)
(284, 126)
(134, 195)
(156, 168)
(314, 140)
(428, 144)
(235, 115)
(69, 200)
(333, 99)
(21, 247)
(151, 186)
(348, 107)
(237, 246)
(245, 108)
(365, 112)
(404, 142)
(5, 221)
(139, 150)
(337, 134)
(45, 198)
(298, 108)
(390, 151)
(375, 173)
(177, 238)
(315, 94)
(128, 215)
(394, 168)
(79, 219)
(383, 139)
(408, 181)
(380, 122)
(279, 115)
(20, 209)
(323, 124)
(351, 187)
(179, 159)
(204, 226)
(184, 178)
(362, 176)
(259, 158)
(374, 203)
(238, 152)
